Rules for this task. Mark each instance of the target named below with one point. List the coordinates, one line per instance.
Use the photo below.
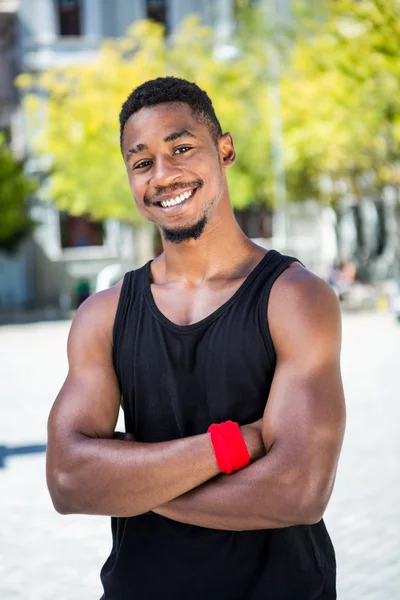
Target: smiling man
(226, 360)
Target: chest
(176, 383)
(186, 304)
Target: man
(213, 332)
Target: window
(157, 10)
(80, 232)
(69, 17)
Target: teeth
(177, 200)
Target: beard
(178, 235)
(192, 231)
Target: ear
(226, 150)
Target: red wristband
(229, 446)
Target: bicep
(88, 402)
(305, 413)
(304, 416)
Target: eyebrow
(170, 138)
(136, 149)
(178, 134)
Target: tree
(340, 84)
(344, 89)
(340, 95)
(15, 188)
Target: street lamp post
(279, 221)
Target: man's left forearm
(254, 498)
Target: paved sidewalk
(44, 556)
(364, 514)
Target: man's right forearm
(112, 477)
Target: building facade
(14, 270)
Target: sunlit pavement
(44, 556)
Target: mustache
(171, 189)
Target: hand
(252, 435)
(123, 436)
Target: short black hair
(171, 89)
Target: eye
(141, 165)
(182, 149)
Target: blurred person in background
(225, 358)
(396, 301)
(341, 277)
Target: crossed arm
(294, 450)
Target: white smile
(177, 200)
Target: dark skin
(295, 446)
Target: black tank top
(175, 381)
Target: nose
(164, 172)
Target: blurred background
(310, 91)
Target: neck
(220, 248)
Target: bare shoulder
(95, 316)
(303, 309)
(88, 401)
(298, 287)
